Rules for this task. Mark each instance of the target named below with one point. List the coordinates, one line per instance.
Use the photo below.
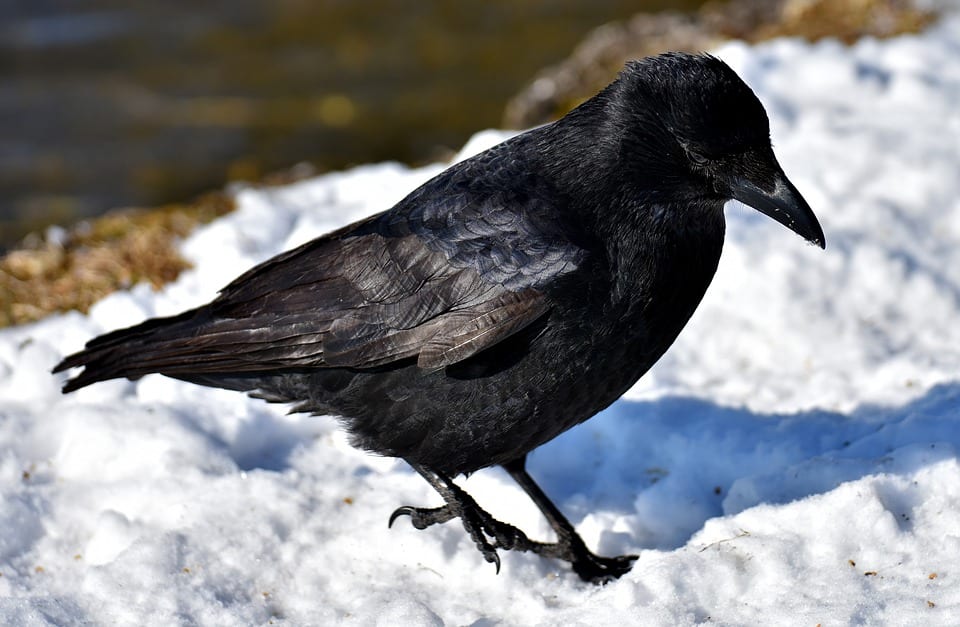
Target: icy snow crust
(792, 460)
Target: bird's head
(711, 134)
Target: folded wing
(399, 286)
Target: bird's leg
(476, 521)
(490, 534)
(569, 545)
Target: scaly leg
(569, 546)
(479, 524)
(490, 534)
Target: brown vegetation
(98, 257)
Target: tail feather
(130, 353)
(197, 344)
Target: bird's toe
(602, 570)
(422, 517)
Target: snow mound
(792, 460)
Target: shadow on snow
(670, 464)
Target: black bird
(506, 300)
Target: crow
(508, 299)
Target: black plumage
(506, 300)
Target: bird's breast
(653, 284)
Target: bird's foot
(600, 570)
(490, 534)
(569, 545)
(487, 533)
(588, 565)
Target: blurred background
(111, 103)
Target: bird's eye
(696, 158)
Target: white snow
(793, 460)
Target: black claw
(423, 517)
(406, 510)
(489, 553)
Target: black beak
(784, 204)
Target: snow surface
(792, 460)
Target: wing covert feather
(469, 333)
(453, 269)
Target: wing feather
(467, 333)
(452, 270)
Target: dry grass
(98, 257)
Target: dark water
(107, 103)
